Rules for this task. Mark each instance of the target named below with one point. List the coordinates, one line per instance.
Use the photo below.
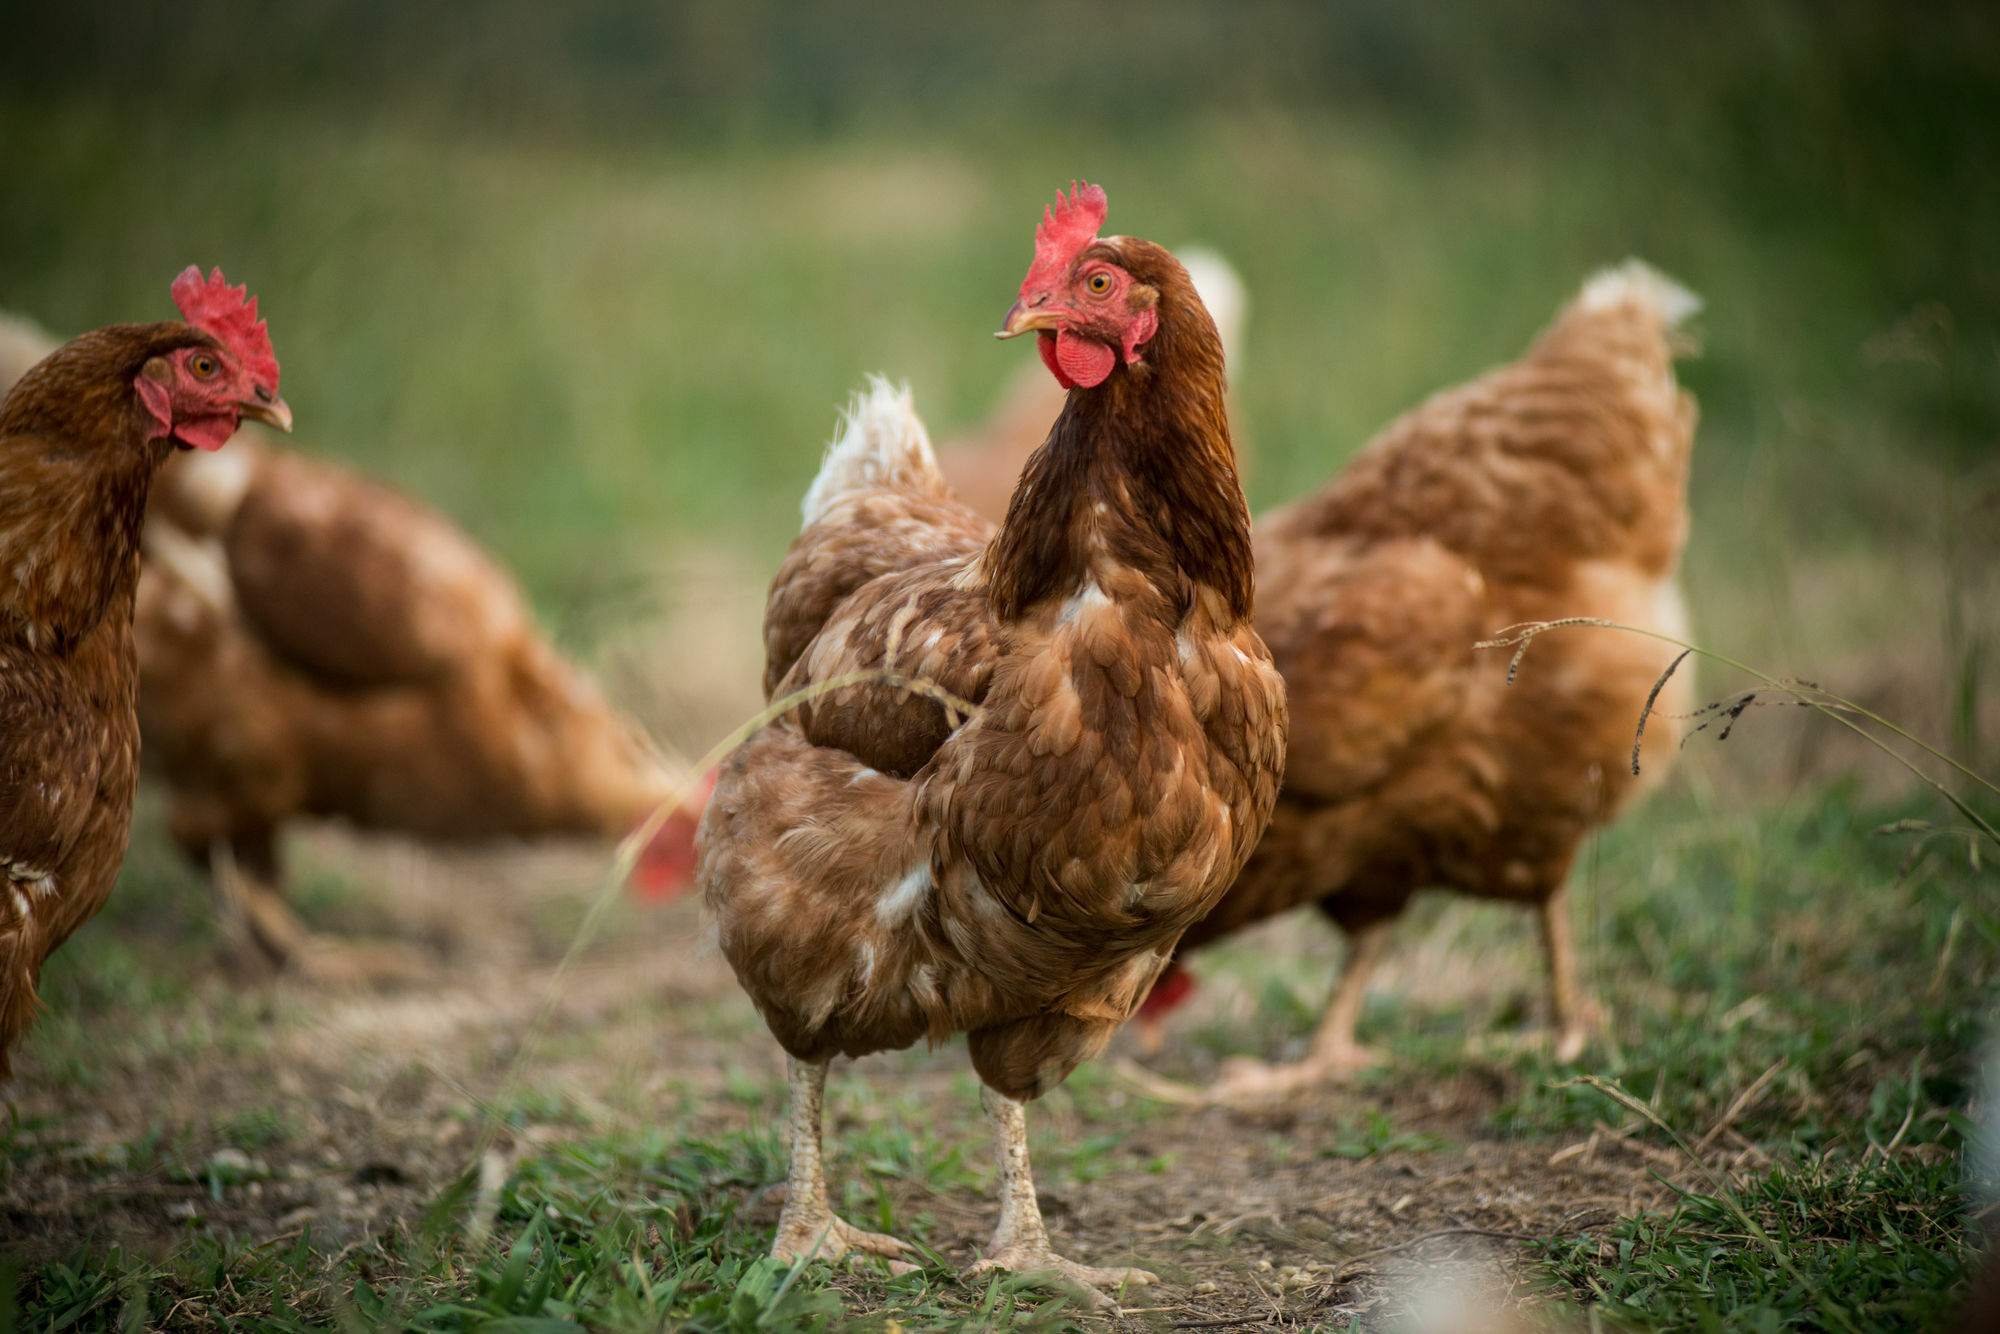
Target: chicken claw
(1028, 1259)
(831, 1237)
(1021, 1243)
(1246, 1080)
(1334, 1056)
(808, 1228)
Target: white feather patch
(1636, 280)
(880, 436)
(903, 898)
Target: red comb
(1066, 228)
(229, 315)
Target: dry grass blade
(1821, 700)
(1652, 698)
(1737, 1104)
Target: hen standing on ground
(81, 436)
(885, 869)
(1550, 488)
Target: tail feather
(882, 445)
(1636, 281)
(1222, 290)
(22, 344)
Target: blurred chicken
(1553, 487)
(984, 467)
(82, 435)
(885, 868)
(22, 344)
(313, 643)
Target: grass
(1869, 1245)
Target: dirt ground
(381, 1098)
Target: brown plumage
(314, 643)
(884, 869)
(1553, 487)
(81, 436)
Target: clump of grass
(1869, 1242)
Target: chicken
(22, 344)
(1553, 487)
(984, 466)
(81, 436)
(1017, 861)
(313, 643)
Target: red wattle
(666, 867)
(1169, 993)
(209, 433)
(1046, 345)
(1084, 360)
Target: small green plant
(1375, 1133)
(1867, 1242)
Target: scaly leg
(1334, 1054)
(1574, 1014)
(1021, 1242)
(808, 1227)
(265, 935)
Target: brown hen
(81, 436)
(313, 643)
(886, 867)
(1553, 487)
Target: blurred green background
(595, 277)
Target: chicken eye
(1099, 283)
(203, 365)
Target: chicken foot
(1334, 1054)
(265, 935)
(808, 1228)
(1021, 1241)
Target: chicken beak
(272, 411)
(1025, 318)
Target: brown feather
(366, 660)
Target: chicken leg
(263, 935)
(1575, 1017)
(1021, 1241)
(1334, 1054)
(808, 1227)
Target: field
(610, 335)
